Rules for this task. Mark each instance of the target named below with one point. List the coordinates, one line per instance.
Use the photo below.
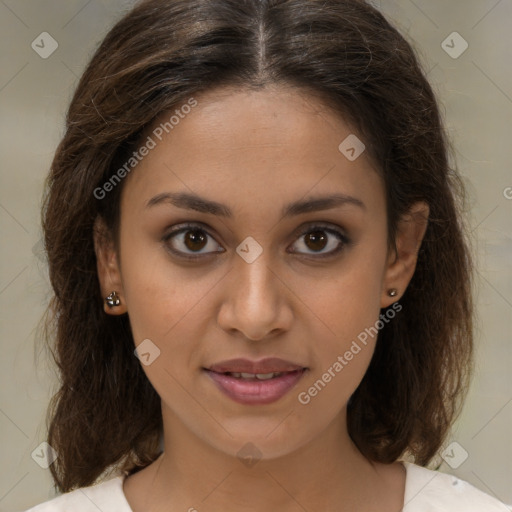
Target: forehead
(245, 147)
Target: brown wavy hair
(106, 416)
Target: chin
(260, 438)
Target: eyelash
(345, 241)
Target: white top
(425, 491)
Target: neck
(325, 473)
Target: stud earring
(113, 300)
(393, 292)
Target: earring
(113, 300)
(392, 292)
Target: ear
(401, 264)
(107, 264)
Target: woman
(262, 279)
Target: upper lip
(267, 365)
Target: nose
(256, 302)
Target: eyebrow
(194, 202)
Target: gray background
(475, 91)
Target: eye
(191, 241)
(318, 237)
(190, 237)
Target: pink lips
(267, 365)
(254, 391)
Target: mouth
(255, 388)
(246, 368)
(255, 376)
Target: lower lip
(256, 392)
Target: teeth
(265, 376)
(259, 376)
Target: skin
(255, 151)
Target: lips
(255, 382)
(264, 367)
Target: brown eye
(195, 240)
(189, 242)
(318, 238)
(192, 242)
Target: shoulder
(427, 490)
(107, 495)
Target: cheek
(156, 295)
(163, 309)
(344, 324)
(343, 352)
(347, 303)
(167, 304)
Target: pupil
(193, 237)
(316, 237)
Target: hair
(106, 414)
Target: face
(249, 276)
